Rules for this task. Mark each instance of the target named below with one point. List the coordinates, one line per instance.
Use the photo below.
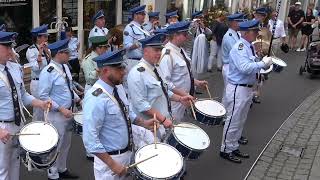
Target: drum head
(210, 107)
(193, 137)
(78, 117)
(279, 62)
(44, 142)
(166, 164)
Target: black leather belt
(138, 59)
(6, 121)
(245, 85)
(37, 79)
(119, 151)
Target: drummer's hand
(267, 61)
(201, 84)
(148, 124)
(41, 104)
(167, 123)
(119, 169)
(66, 112)
(4, 135)
(185, 100)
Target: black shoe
(240, 154)
(68, 175)
(89, 158)
(256, 99)
(243, 140)
(53, 179)
(230, 156)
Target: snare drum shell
(208, 119)
(277, 68)
(186, 152)
(77, 128)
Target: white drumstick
(24, 134)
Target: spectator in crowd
(295, 19)
(306, 29)
(218, 30)
(74, 46)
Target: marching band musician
(176, 66)
(38, 56)
(133, 32)
(153, 23)
(148, 91)
(99, 46)
(107, 128)
(56, 85)
(241, 77)
(228, 41)
(279, 33)
(12, 96)
(99, 27)
(198, 26)
(171, 17)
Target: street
(282, 93)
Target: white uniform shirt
(279, 31)
(96, 31)
(174, 67)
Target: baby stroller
(312, 62)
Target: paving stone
(300, 177)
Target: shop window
(17, 16)
(126, 6)
(70, 10)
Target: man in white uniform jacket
(176, 66)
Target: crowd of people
(147, 84)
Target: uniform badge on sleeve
(167, 51)
(141, 69)
(50, 69)
(240, 47)
(97, 92)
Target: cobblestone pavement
(294, 152)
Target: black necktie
(124, 112)
(163, 89)
(191, 92)
(252, 50)
(238, 35)
(69, 86)
(43, 53)
(15, 99)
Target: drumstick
(192, 109)
(137, 163)
(77, 113)
(208, 91)
(155, 130)
(24, 134)
(47, 112)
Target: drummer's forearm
(151, 113)
(179, 92)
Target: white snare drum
(168, 164)
(209, 112)
(39, 151)
(78, 122)
(189, 139)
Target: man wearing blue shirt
(153, 23)
(241, 77)
(56, 85)
(12, 96)
(133, 32)
(107, 128)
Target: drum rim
(182, 159)
(198, 150)
(74, 119)
(274, 57)
(42, 152)
(208, 114)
